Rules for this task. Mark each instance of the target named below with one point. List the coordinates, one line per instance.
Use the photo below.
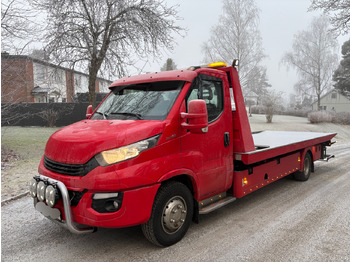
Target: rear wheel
(171, 215)
(305, 174)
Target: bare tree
(169, 65)
(106, 34)
(237, 36)
(18, 29)
(314, 56)
(337, 10)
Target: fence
(36, 114)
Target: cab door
(209, 155)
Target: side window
(211, 91)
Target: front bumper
(135, 209)
(54, 213)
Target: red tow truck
(160, 150)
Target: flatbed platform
(269, 144)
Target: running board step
(210, 204)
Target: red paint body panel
(206, 159)
(79, 142)
(242, 135)
(265, 174)
(136, 209)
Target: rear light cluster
(44, 191)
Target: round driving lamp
(51, 195)
(33, 187)
(41, 191)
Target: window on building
(334, 95)
(41, 74)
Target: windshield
(149, 101)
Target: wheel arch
(187, 177)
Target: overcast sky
(279, 21)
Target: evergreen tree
(342, 74)
(169, 65)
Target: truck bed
(269, 144)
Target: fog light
(51, 195)
(33, 187)
(107, 202)
(41, 191)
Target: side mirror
(197, 117)
(89, 111)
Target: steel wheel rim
(174, 215)
(306, 166)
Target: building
(334, 101)
(28, 79)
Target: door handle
(226, 139)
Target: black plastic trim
(75, 197)
(70, 169)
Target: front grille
(69, 169)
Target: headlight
(33, 187)
(51, 195)
(112, 156)
(41, 191)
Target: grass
(27, 144)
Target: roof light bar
(211, 65)
(217, 65)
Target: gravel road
(285, 221)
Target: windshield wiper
(138, 116)
(104, 114)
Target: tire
(305, 174)
(171, 215)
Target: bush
(257, 110)
(50, 116)
(296, 112)
(269, 112)
(342, 118)
(320, 117)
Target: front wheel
(171, 215)
(305, 174)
